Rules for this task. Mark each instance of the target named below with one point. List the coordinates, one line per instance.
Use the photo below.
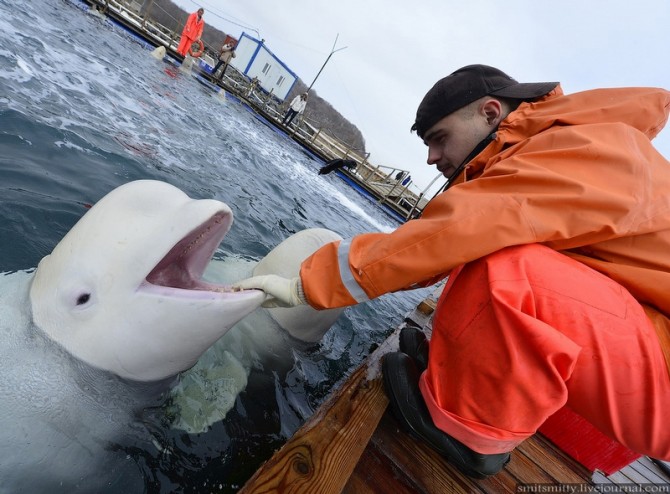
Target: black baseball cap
(468, 84)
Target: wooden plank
(526, 471)
(502, 482)
(600, 478)
(559, 466)
(430, 473)
(651, 473)
(640, 472)
(633, 475)
(618, 478)
(425, 468)
(323, 453)
(376, 474)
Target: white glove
(282, 292)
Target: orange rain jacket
(574, 172)
(193, 28)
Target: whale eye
(83, 298)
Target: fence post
(316, 135)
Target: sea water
(84, 108)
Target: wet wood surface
(321, 455)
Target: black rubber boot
(401, 380)
(413, 342)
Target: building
(254, 59)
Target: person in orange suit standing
(192, 31)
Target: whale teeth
(183, 266)
(224, 289)
(194, 242)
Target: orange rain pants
(192, 31)
(526, 330)
(185, 45)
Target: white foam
(24, 66)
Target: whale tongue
(183, 266)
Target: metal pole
(333, 50)
(423, 193)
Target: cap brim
(525, 90)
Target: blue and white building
(254, 59)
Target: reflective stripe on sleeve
(347, 276)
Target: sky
(396, 50)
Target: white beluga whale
(122, 290)
(205, 393)
(302, 322)
(102, 327)
(159, 53)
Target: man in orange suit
(555, 234)
(192, 31)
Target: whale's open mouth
(183, 266)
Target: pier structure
(384, 185)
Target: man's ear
(493, 112)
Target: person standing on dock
(296, 107)
(554, 233)
(225, 55)
(192, 31)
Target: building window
(280, 81)
(266, 69)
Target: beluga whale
(206, 393)
(107, 322)
(122, 290)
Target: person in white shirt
(297, 106)
(225, 55)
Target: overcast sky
(395, 51)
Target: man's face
(454, 137)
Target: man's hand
(282, 292)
